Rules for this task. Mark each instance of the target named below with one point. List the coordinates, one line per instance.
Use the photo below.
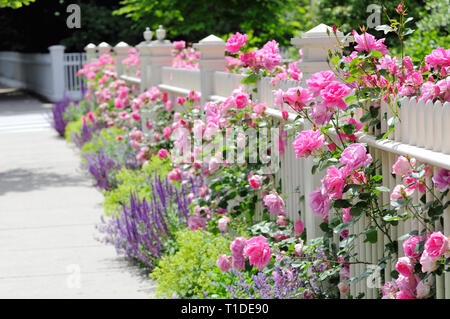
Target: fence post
(103, 48)
(91, 52)
(121, 49)
(57, 58)
(315, 44)
(154, 55)
(212, 59)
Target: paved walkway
(48, 210)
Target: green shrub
(136, 181)
(192, 270)
(105, 137)
(73, 127)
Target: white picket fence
(51, 75)
(423, 132)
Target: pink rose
(238, 262)
(241, 100)
(404, 295)
(334, 181)
(295, 72)
(423, 289)
(307, 142)
(428, 263)
(174, 175)
(400, 191)
(404, 266)
(297, 97)
(346, 217)
(438, 58)
(224, 263)
(333, 95)
(344, 288)
(235, 42)
(223, 223)
(260, 108)
(407, 285)
(299, 227)
(274, 202)
(181, 100)
(355, 156)
(401, 166)
(255, 181)
(319, 203)
(366, 42)
(442, 179)
(319, 81)
(258, 251)
(237, 246)
(196, 222)
(180, 45)
(409, 247)
(162, 153)
(436, 245)
(167, 132)
(298, 248)
(193, 95)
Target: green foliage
(262, 20)
(432, 30)
(73, 127)
(15, 4)
(350, 14)
(136, 181)
(105, 137)
(191, 271)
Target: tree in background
(15, 4)
(432, 30)
(43, 23)
(262, 20)
(350, 14)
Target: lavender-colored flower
(142, 228)
(101, 167)
(57, 119)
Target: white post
(154, 56)
(212, 59)
(103, 48)
(91, 52)
(121, 50)
(315, 44)
(57, 58)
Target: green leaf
(371, 235)
(342, 203)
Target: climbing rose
(400, 191)
(319, 81)
(179, 44)
(346, 217)
(404, 266)
(235, 42)
(409, 247)
(307, 142)
(297, 97)
(196, 222)
(237, 246)
(428, 263)
(299, 227)
(255, 181)
(333, 95)
(423, 289)
(174, 175)
(442, 179)
(334, 181)
(436, 245)
(401, 166)
(407, 285)
(320, 203)
(366, 42)
(241, 100)
(224, 263)
(258, 251)
(162, 153)
(438, 57)
(355, 156)
(223, 223)
(274, 202)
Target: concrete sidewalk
(48, 210)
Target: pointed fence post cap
(211, 39)
(104, 45)
(121, 44)
(321, 31)
(90, 46)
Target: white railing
(50, 75)
(423, 132)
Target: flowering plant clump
(194, 220)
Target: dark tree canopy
(263, 20)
